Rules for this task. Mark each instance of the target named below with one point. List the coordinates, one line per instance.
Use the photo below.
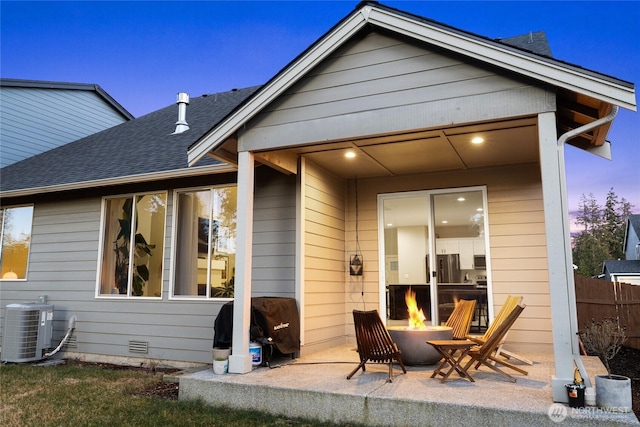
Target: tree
(603, 234)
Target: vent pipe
(181, 124)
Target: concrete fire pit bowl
(413, 343)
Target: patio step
(319, 390)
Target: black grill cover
(271, 317)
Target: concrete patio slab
(315, 386)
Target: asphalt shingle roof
(140, 146)
(621, 266)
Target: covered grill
(275, 323)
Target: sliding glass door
(434, 244)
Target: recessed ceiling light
(461, 199)
(350, 154)
(445, 222)
(479, 210)
(477, 140)
(390, 225)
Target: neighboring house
(393, 137)
(632, 238)
(627, 270)
(39, 115)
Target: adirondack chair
(460, 318)
(485, 353)
(374, 342)
(510, 303)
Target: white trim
(548, 71)
(33, 212)
(101, 231)
(561, 286)
(240, 359)
(300, 244)
(129, 179)
(432, 242)
(174, 241)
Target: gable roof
(571, 78)
(139, 150)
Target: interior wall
(516, 238)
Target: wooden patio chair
(374, 342)
(485, 353)
(460, 318)
(510, 303)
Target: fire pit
(413, 343)
(412, 339)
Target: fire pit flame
(416, 316)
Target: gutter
(573, 325)
(154, 176)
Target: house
(39, 115)
(391, 143)
(627, 270)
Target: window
(133, 246)
(15, 226)
(205, 243)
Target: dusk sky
(143, 53)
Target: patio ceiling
(505, 142)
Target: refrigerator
(448, 268)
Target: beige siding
(517, 242)
(380, 84)
(324, 228)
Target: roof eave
(154, 176)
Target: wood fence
(599, 299)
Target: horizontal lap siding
(517, 242)
(63, 265)
(37, 120)
(274, 224)
(324, 204)
(381, 84)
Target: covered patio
(315, 387)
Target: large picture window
(133, 246)
(15, 230)
(205, 243)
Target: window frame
(2, 224)
(100, 262)
(175, 242)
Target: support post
(240, 359)
(561, 284)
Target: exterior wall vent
(141, 347)
(27, 331)
(72, 342)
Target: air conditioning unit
(27, 331)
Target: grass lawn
(85, 395)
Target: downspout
(567, 235)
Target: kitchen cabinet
(466, 254)
(478, 247)
(447, 246)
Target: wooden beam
(283, 161)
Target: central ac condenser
(27, 331)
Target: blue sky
(143, 53)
